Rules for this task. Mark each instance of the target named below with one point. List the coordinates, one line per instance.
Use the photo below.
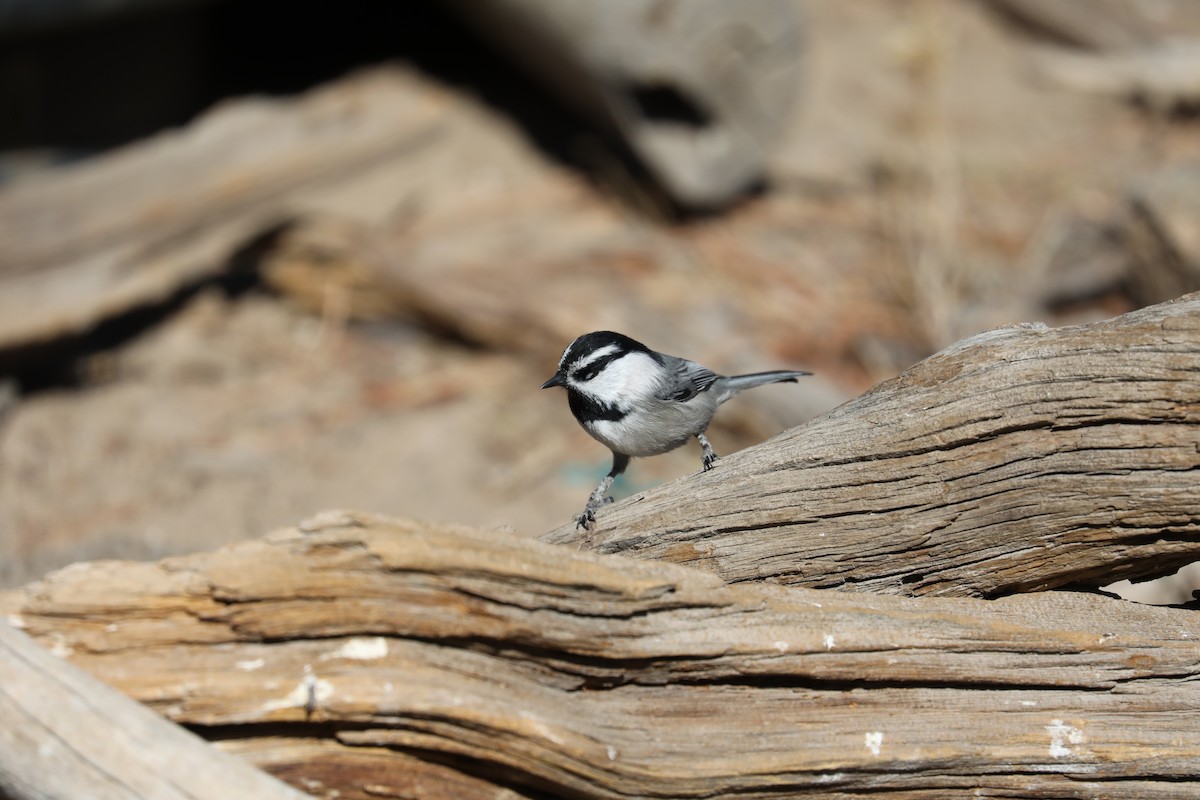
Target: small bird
(638, 402)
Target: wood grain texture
(1021, 459)
(369, 656)
(65, 735)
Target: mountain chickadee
(638, 402)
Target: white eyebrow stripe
(599, 353)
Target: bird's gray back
(684, 379)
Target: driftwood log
(380, 195)
(378, 658)
(1022, 459)
(622, 64)
(1104, 25)
(115, 234)
(1117, 47)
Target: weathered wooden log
(114, 234)
(117, 233)
(1117, 47)
(1021, 459)
(65, 735)
(1162, 78)
(1100, 25)
(675, 82)
(382, 192)
(381, 658)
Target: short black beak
(555, 381)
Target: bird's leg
(709, 455)
(600, 497)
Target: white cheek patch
(634, 375)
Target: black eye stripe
(593, 369)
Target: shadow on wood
(381, 658)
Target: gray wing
(689, 379)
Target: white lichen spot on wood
(250, 665)
(612, 752)
(781, 646)
(361, 648)
(1061, 735)
(873, 741)
(829, 641)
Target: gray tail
(738, 383)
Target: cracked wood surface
(1020, 459)
(383, 658)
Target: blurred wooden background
(340, 290)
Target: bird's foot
(710, 455)
(587, 520)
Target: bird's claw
(709, 460)
(587, 520)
